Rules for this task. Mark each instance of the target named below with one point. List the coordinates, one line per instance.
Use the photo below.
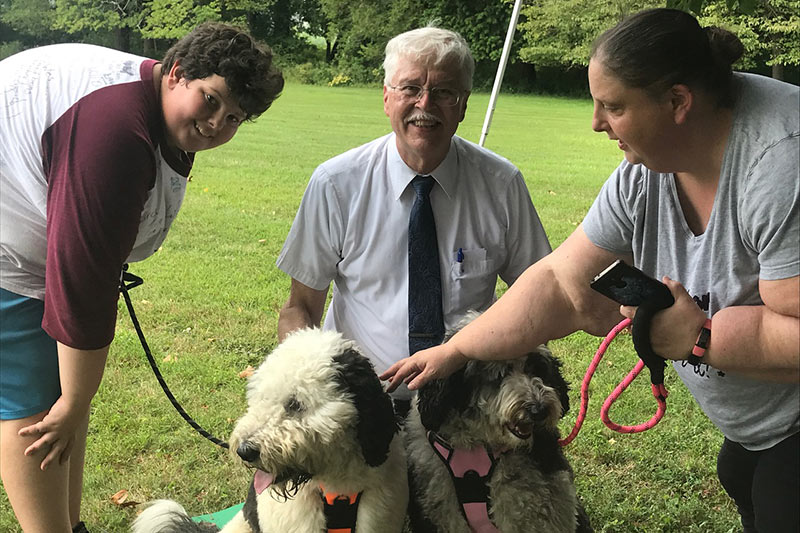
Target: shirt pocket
(472, 281)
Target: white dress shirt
(352, 229)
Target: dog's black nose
(539, 413)
(248, 451)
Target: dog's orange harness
(470, 471)
(341, 511)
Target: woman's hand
(55, 432)
(674, 329)
(426, 365)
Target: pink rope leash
(659, 392)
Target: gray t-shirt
(753, 233)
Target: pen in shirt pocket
(460, 255)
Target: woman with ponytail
(708, 200)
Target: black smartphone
(627, 285)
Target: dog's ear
(377, 423)
(541, 363)
(437, 398)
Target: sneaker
(80, 527)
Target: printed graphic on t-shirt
(703, 370)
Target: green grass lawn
(210, 303)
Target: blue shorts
(29, 381)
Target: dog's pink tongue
(262, 480)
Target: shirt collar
(400, 174)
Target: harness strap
(341, 511)
(470, 471)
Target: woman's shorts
(29, 381)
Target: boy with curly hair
(97, 147)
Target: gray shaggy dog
(483, 452)
(324, 441)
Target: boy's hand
(55, 432)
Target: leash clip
(128, 280)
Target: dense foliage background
(340, 42)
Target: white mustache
(422, 115)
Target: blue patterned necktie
(425, 322)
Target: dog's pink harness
(470, 471)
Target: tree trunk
(330, 50)
(122, 38)
(777, 71)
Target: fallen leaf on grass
(120, 499)
(247, 372)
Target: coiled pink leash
(659, 392)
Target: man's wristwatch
(701, 344)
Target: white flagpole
(501, 69)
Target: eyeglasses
(440, 95)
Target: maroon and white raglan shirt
(87, 182)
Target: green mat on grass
(220, 518)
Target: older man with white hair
(415, 227)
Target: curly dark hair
(217, 48)
(656, 48)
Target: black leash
(640, 333)
(129, 281)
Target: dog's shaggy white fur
(511, 408)
(317, 417)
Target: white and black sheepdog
(324, 441)
(483, 452)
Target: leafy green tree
(769, 30)
(697, 6)
(28, 17)
(357, 31)
(482, 23)
(559, 33)
(26, 23)
(172, 19)
(117, 17)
